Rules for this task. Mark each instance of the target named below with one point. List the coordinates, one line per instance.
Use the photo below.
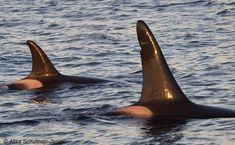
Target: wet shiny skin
(44, 73)
(159, 86)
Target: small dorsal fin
(41, 65)
(158, 81)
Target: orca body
(161, 95)
(44, 74)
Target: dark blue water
(98, 39)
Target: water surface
(98, 39)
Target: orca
(161, 95)
(44, 74)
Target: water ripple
(98, 39)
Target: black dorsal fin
(41, 65)
(158, 81)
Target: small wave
(23, 122)
(183, 3)
(232, 3)
(93, 63)
(8, 104)
(136, 72)
(93, 118)
(223, 12)
(188, 37)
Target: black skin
(45, 72)
(161, 93)
(53, 81)
(187, 110)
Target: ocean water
(98, 39)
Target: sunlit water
(98, 39)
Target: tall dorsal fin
(158, 81)
(41, 65)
